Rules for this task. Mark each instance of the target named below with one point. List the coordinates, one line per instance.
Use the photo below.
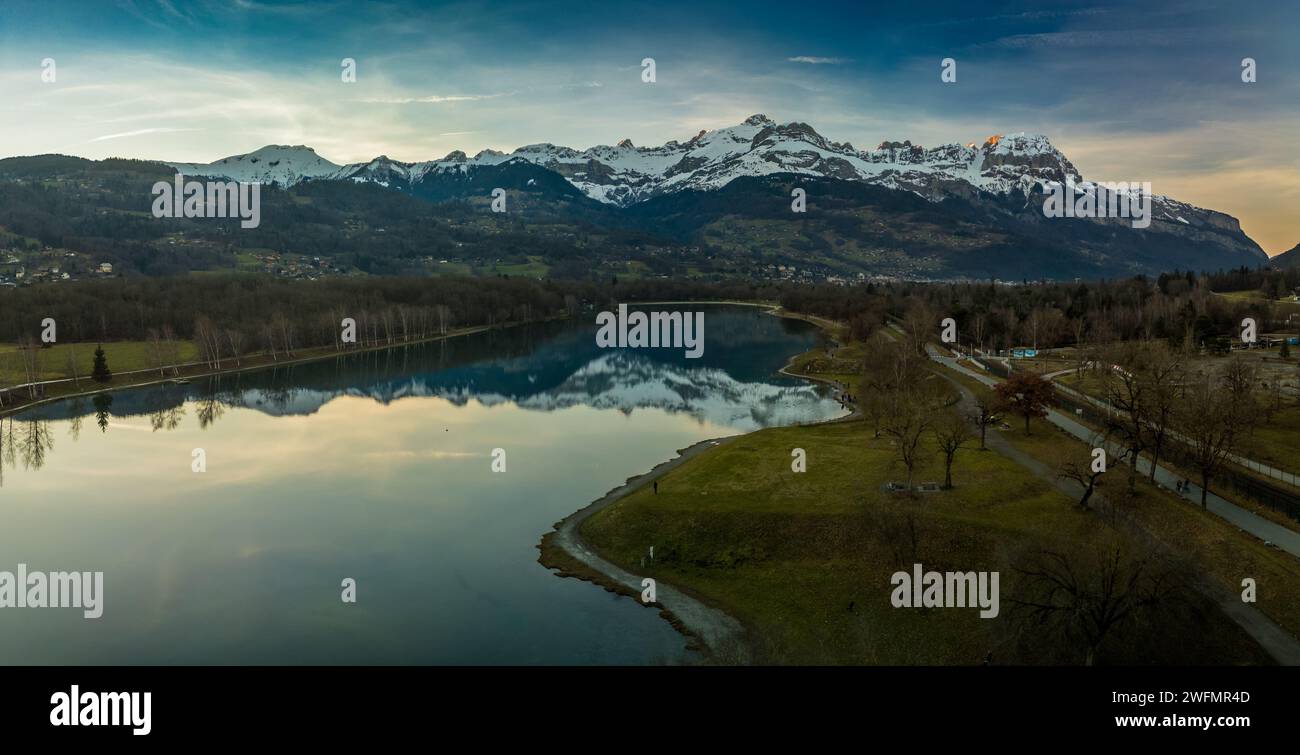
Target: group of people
(1183, 486)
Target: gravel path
(714, 628)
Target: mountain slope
(718, 203)
(1289, 258)
(1002, 171)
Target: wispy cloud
(141, 132)
(819, 61)
(435, 99)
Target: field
(53, 364)
(804, 560)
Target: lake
(375, 467)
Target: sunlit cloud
(1120, 90)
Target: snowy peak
(276, 163)
(625, 174)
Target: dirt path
(711, 626)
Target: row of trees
(1157, 397)
(1181, 309)
(908, 404)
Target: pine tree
(100, 372)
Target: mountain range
(716, 203)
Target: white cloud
(818, 61)
(141, 132)
(435, 98)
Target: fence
(1280, 499)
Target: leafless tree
(1086, 596)
(1086, 475)
(235, 339)
(1211, 421)
(951, 432)
(906, 424)
(72, 366)
(1162, 372)
(985, 414)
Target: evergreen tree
(100, 372)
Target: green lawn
(842, 364)
(123, 356)
(788, 553)
(535, 267)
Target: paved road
(1279, 643)
(1268, 531)
(1258, 466)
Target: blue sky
(1129, 91)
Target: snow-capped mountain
(272, 164)
(625, 174)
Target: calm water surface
(375, 467)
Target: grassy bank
(54, 361)
(804, 560)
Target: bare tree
(918, 326)
(951, 432)
(1162, 372)
(235, 339)
(906, 424)
(1240, 377)
(30, 353)
(171, 349)
(985, 414)
(1213, 424)
(1086, 475)
(154, 338)
(72, 366)
(1086, 597)
(1126, 392)
(208, 340)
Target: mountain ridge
(624, 175)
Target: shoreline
(208, 373)
(710, 629)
